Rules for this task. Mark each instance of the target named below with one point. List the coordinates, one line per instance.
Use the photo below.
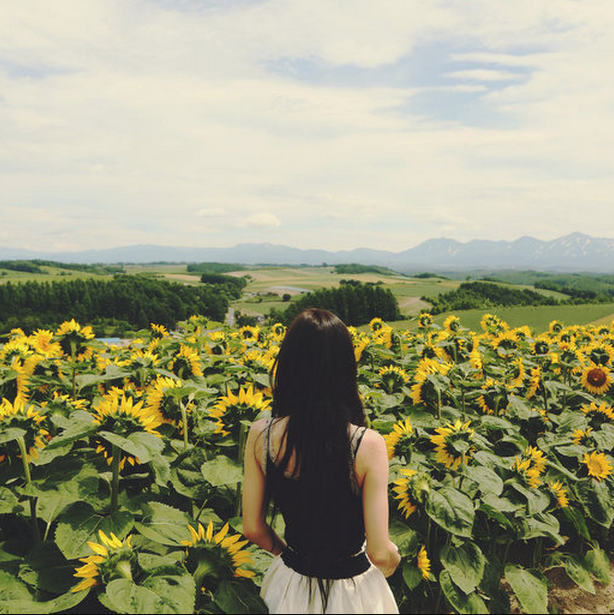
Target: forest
(354, 302)
(130, 301)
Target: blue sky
(313, 123)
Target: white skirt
(287, 591)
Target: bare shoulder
(372, 443)
(258, 427)
(372, 455)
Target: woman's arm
(372, 468)
(255, 527)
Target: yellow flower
(531, 465)
(596, 379)
(392, 378)
(401, 432)
(376, 324)
(452, 323)
(231, 409)
(112, 559)
(118, 413)
(161, 401)
(450, 441)
(159, 331)
(23, 415)
(597, 414)
(425, 320)
(186, 363)
(401, 488)
(424, 564)
(560, 492)
(583, 437)
(73, 338)
(231, 545)
(597, 465)
(534, 382)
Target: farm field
(120, 466)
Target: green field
(268, 284)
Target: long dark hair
(315, 385)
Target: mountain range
(574, 252)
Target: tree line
(122, 301)
(470, 295)
(354, 302)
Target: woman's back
(324, 522)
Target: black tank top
(325, 535)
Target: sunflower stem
(241, 453)
(439, 404)
(26, 471)
(115, 477)
(184, 421)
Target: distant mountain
(575, 252)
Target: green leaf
(128, 445)
(11, 433)
(452, 510)
(465, 565)
(461, 602)
(11, 588)
(543, 524)
(596, 500)
(234, 597)
(529, 587)
(61, 604)
(599, 564)
(80, 425)
(80, 523)
(222, 471)
(578, 520)
(412, 575)
(47, 569)
(579, 572)
(164, 524)
(537, 501)
(404, 538)
(8, 501)
(488, 480)
(176, 589)
(124, 596)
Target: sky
(331, 124)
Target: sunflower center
(596, 377)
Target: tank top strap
(355, 440)
(266, 448)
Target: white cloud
(168, 127)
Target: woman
(326, 473)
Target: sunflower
(534, 382)
(403, 494)
(112, 560)
(118, 413)
(493, 324)
(277, 332)
(560, 492)
(531, 466)
(142, 364)
(162, 401)
(392, 378)
(228, 548)
(452, 444)
(24, 416)
(600, 354)
(360, 344)
(598, 414)
(424, 564)
(158, 331)
(231, 410)
(376, 324)
(452, 324)
(42, 342)
(257, 360)
(540, 346)
(596, 379)
(186, 363)
(425, 320)
(598, 465)
(555, 326)
(73, 338)
(398, 440)
(217, 343)
(505, 344)
(583, 437)
(493, 397)
(249, 334)
(516, 373)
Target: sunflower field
(121, 466)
